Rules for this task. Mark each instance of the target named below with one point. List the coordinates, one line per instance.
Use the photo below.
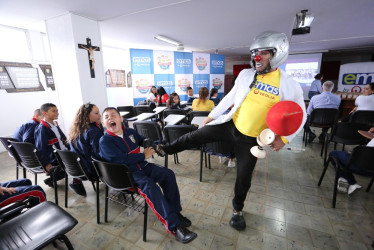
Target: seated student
(162, 96)
(346, 181)
(25, 133)
(190, 95)
(48, 134)
(213, 96)
(84, 136)
(202, 104)
(20, 189)
(174, 102)
(152, 95)
(121, 145)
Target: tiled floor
(285, 209)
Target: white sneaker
(343, 185)
(231, 163)
(353, 187)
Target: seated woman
(174, 102)
(162, 96)
(213, 96)
(202, 104)
(84, 136)
(152, 95)
(347, 182)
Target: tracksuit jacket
(25, 133)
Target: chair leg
(145, 221)
(55, 186)
(209, 161)
(201, 163)
(93, 185)
(67, 242)
(323, 145)
(166, 161)
(97, 203)
(205, 158)
(17, 171)
(36, 179)
(24, 172)
(323, 172)
(177, 158)
(106, 203)
(66, 190)
(335, 187)
(326, 146)
(370, 184)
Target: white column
(70, 64)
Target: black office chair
(71, 164)
(119, 178)
(320, 118)
(363, 116)
(345, 133)
(361, 157)
(197, 113)
(30, 160)
(172, 132)
(12, 153)
(142, 109)
(37, 227)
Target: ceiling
(206, 25)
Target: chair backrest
(363, 116)
(324, 116)
(148, 129)
(28, 154)
(129, 109)
(219, 147)
(167, 112)
(70, 162)
(362, 157)
(117, 176)
(11, 151)
(346, 133)
(142, 109)
(173, 132)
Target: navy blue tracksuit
(166, 203)
(25, 133)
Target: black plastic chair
(320, 118)
(142, 109)
(119, 178)
(37, 227)
(70, 163)
(172, 132)
(12, 153)
(361, 157)
(345, 133)
(30, 160)
(363, 117)
(130, 116)
(197, 113)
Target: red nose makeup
(257, 58)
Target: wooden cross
(90, 49)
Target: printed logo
(164, 62)
(267, 88)
(201, 63)
(183, 62)
(143, 86)
(202, 83)
(217, 63)
(183, 84)
(164, 83)
(217, 83)
(132, 138)
(356, 89)
(256, 91)
(358, 78)
(141, 61)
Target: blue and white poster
(175, 71)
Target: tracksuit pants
(227, 132)
(24, 189)
(166, 203)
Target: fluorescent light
(307, 21)
(168, 40)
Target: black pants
(242, 144)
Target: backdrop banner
(175, 71)
(354, 76)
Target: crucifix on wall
(90, 49)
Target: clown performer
(255, 91)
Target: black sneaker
(182, 234)
(184, 221)
(160, 150)
(48, 182)
(78, 188)
(237, 221)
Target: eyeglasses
(87, 105)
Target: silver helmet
(271, 40)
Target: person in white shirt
(365, 101)
(152, 94)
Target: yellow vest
(250, 117)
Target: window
(13, 45)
